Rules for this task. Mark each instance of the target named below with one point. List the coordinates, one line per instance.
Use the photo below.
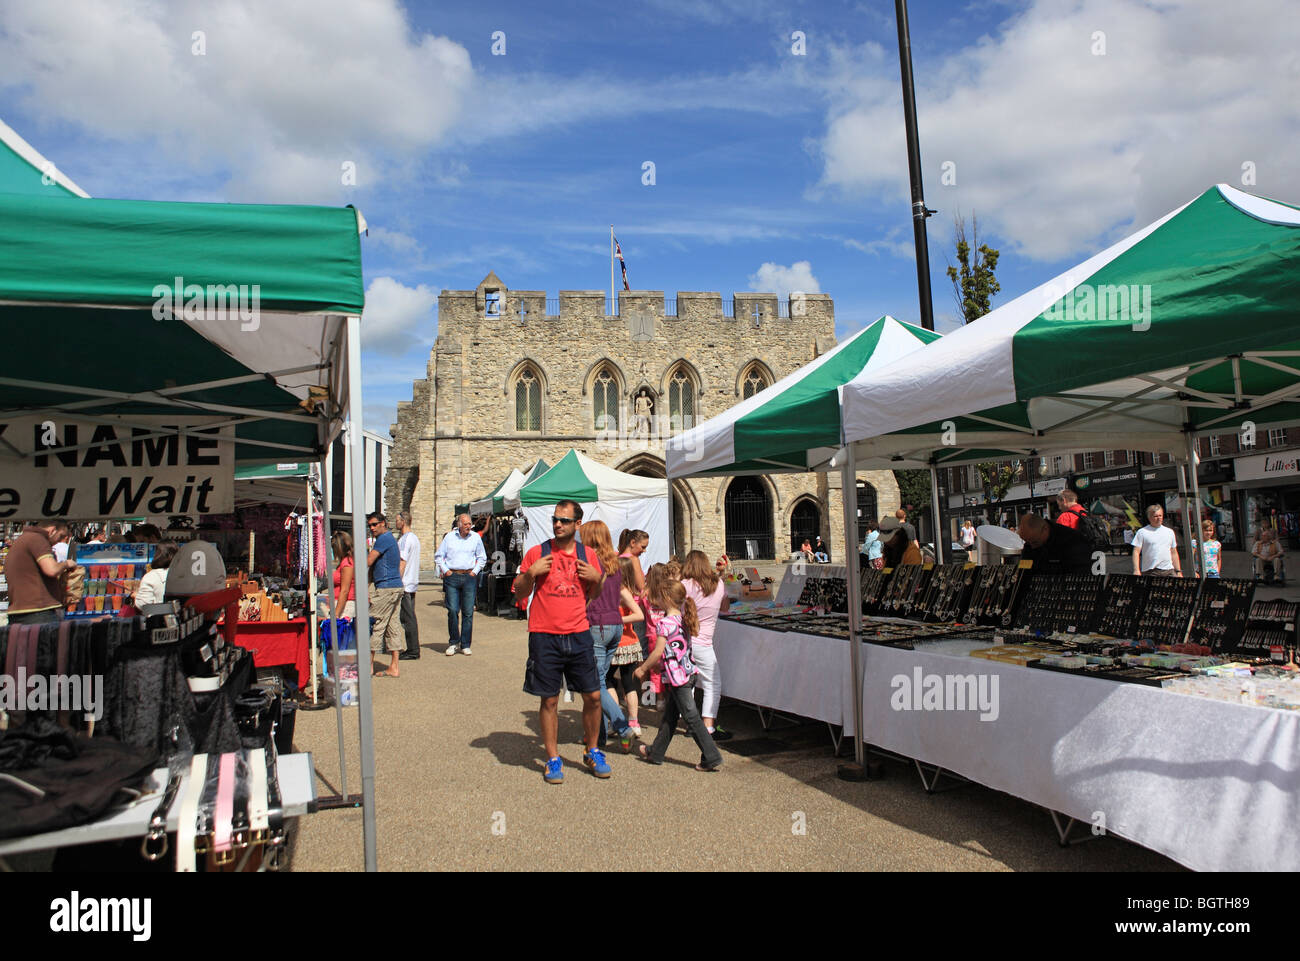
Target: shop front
(1120, 497)
(1268, 495)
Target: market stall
(622, 501)
(225, 332)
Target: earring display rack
(1223, 611)
(906, 589)
(827, 593)
(1066, 603)
(995, 593)
(1167, 609)
(874, 583)
(949, 586)
(1121, 600)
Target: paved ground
(459, 787)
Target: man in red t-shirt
(559, 636)
(1070, 509)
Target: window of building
(1215, 450)
(604, 403)
(1276, 436)
(1058, 465)
(528, 400)
(973, 480)
(1246, 441)
(752, 381)
(1108, 458)
(681, 400)
(492, 303)
(1087, 461)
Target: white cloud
(1058, 150)
(785, 280)
(285, 93)
(397, 317)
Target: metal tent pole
(334, 627)
(311, 589)
(1182, 493)
(934, 512)
(356, 440)
(1192, 512)
(848, 490)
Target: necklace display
(1167, 610)
(1061, 602)
(949, 585)
(1120, 601)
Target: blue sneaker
(596, 763)
(555, 771)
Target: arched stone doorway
(868, 508)
(748, 511)
(805, 522)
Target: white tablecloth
(1212, 785)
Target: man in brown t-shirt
(35, 594)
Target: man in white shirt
(408, 546)
(460, 557)
(1155, 549)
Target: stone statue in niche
(643, 412)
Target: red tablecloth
(277, 644)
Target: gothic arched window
(681, 399)
(604, 400)
(528, 400)
(752, 381)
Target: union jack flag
(618, 252)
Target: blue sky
(1067, 123)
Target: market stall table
(297, 782)
(278, 644)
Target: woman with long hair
(707, 592)
(345, 587)
(606, 620)
(676, 623)
(629, 653)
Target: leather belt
(224, 811)
(257, 811)
(187, 829)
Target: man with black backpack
(561, 581)
(1092, 529)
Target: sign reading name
(74, 470)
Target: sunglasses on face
(562, 520)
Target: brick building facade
(514, 376)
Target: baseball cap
(197, 568)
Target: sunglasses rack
(1222, 613)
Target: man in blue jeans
(459, 558)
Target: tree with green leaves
(973, 282)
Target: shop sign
(1126, 477)
(60, 468)
(1269, 466)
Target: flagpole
(612, 295)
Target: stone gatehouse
(514, 376)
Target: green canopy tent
(1186, 327)
(622, 501)
(246, 315)
(505, 496)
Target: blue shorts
(553, 658)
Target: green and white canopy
(24, 171)
(1191, 324)
(622, 501)
(507, 497)
(120, 307)
(794, 425)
